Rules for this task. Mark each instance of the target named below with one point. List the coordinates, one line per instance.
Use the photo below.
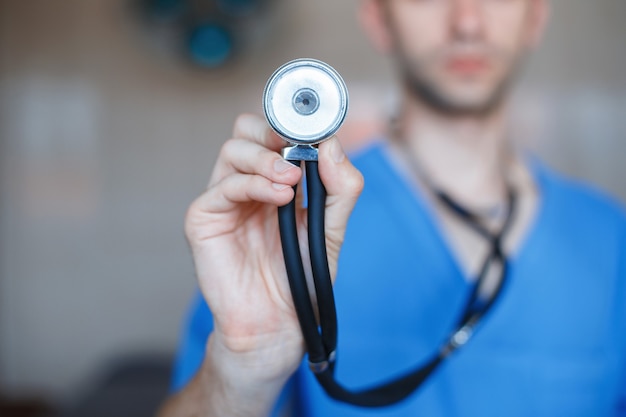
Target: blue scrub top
(554, 344)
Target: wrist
(241, 383)
(265, 368)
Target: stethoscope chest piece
(305, 101)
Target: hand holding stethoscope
(233, 232)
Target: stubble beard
(425, 90)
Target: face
(458, 56)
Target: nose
(466, 19)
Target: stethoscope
(305, 102)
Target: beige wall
(106, 138)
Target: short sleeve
(198, 325)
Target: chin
(452, 96)
(462, 99)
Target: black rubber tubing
(378, 396)
(319, 260)
(297, 280)
(386, 394)
(320, 347)
(495, 254)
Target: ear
(539, 17)
(373, 20)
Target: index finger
(250, 128)
(255, 128)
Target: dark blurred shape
(238, 8)
(26, 407)
(134, 386)
(210, 45)
(166, 10)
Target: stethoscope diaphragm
(305, 101)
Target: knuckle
(241, 121)
(227, 150)
(190, 222)
(247, 126)
(356, 182)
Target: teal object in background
(210, 45)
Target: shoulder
(583, 229)
(580, 202)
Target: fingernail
(336, 152)
(280, 166)
(279, 187)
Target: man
(554, 342)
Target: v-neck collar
(419, 203)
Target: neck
(466, 156)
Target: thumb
(343, 183)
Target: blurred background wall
(107, 132)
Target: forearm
(225, 385)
